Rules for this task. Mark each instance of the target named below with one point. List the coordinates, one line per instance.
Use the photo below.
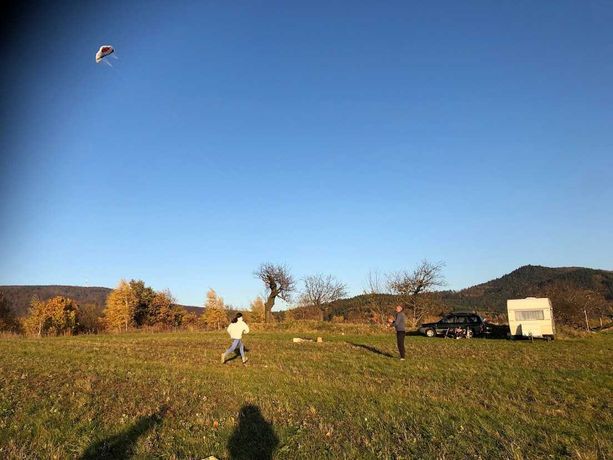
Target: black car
(471, 324)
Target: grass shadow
(254, 438)
(121, 445)
(371, 349)
(233, 357)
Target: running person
(236, 329)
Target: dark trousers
(400, 339)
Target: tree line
(133, 305)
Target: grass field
(167, 395)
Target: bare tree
(373, 291)
(575, 306)
(416, 287)
(320, 290)
(278, 283)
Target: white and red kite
(103, 52)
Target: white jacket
(236, 330)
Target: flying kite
(104, 51)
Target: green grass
(167, 395)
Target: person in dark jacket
(399, 322)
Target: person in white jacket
(236, 329)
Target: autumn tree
(257, 310)
(189, 320)
(215, 315)
(120, 307)
(37, 319)
(278, 283)
(59, 315)
(320, 290)
(415, 289)
(161, 310)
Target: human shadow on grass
(233, 356)
(372, 349)
(254, 438)
(121, 445)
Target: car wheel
(430, 332)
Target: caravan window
(529, 315)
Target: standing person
(399, 323)
(236, 329)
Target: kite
(104, 51)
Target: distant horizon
(337, 138)
(280, 305)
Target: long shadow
(121, 445)
(254, 438)
(371, 349)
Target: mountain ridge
(525, 281)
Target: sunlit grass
(167, 395)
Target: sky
(333, 137)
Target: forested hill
(529, 280)
(20, 297)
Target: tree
(161, 310)
(320, 290)
(278, 283)
(416, 287)
(189, 320)
(573, 306)
(143, 297)
(215, 315)
(89, 317)
(121, 304)
(59, 315)
(37, 321)
(257, 310)
(8, 322)
(377, 308)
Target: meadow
(166, 395)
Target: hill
(19, 297)
(529, 280)
(491, 296)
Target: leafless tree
(320, 290)
(278, 283)
(575, 306)
(373, 291)
(416, 287)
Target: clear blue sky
(335, 137)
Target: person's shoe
(223, 358)
(245, 360)
(401, 359)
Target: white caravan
(531, 317)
